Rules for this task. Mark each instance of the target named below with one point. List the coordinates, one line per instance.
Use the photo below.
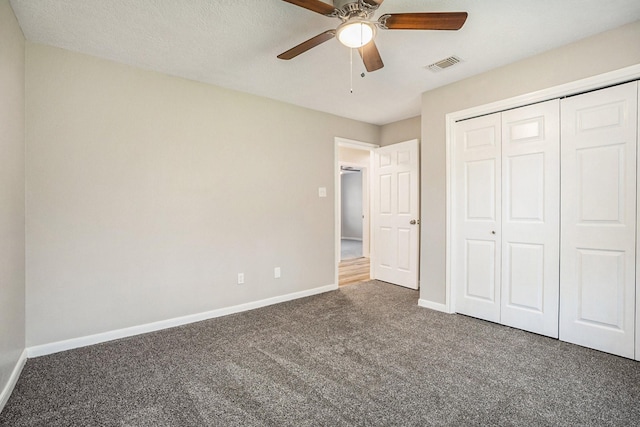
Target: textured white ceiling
(234, 44)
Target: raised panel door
(638, 233)
(476, 234)
(530, 217)
(396, 202)
(598, 211)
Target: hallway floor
(350, 249)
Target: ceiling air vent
(444, 63)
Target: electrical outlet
(240, 278)
(322, 192)
(276, 273)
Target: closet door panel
(476, 233)
(530, 217)
(598, 249)
(638, 231)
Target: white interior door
(396, 214)
(476, 235)
(530, 217)
(638, 233)
(598, 211)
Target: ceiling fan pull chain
(351, 69)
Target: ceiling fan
(358, 31)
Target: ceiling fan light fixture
(355, 33)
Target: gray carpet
(350, 249)
(365, 355)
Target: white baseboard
(433, 305)
(55, 347)
(13, 379)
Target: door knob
(493, 232)
(413, 222)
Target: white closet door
(476, 248)
(598, 219)
(530, 217)
(638, 233)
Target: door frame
(358, 145)
(573, 88)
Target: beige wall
(595, 55)
(147, 195)
(403, 130)
(12, 264)
(354, 156)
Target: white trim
(590, 83)
(13, 379)
(433, 305)
(55, 347)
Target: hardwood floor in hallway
(353, 271)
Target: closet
(505, 266)
(544, 218)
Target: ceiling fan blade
(314, 6)
(423, 21)
(309, 44)
(371, 57)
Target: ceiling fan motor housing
(348, 9)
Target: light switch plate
(322, 192)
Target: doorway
(354, 267)
(353, 248)
(390, 200)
